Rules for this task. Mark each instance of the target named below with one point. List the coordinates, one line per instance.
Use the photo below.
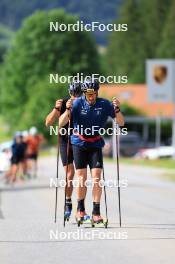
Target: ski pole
(106, 208)
(56, 189)
(67, 166)
(118, 174)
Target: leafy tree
(6, 36)
(40, 104)
(166, 48)
(36, 53)
(129, 110)
(12, 13)
(153, 15)
(126, 49)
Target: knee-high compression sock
(80, 206)
(96, 208)
(69, 203)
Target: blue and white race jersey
(90, 118)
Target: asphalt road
(28, 233)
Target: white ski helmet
(33, 131)
(25, 133)
(18, 134)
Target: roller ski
(68, 210)
(87, 219)
(98, 221)
(82, 218)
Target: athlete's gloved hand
(69, 104)
(115, 102)
(58, 104)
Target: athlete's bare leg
(97, 189)
(81, 189)
(70, 176)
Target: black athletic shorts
(87, 156)
(63, 153)
(16, 159)
(33, 156)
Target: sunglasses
(90, 94)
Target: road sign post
(160, 76)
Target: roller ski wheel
(80, 218)
(79, 222)
(87, 219)
(98, 221)
(67, 216)
(68, 210)
(106, 223)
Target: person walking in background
(18, 156)
(34, 140)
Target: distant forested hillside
(13, 12)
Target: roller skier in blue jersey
(90, 113)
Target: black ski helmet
(75, 88)
(90, 85)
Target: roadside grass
(4, 135)
(167, 164)
(158, 163)
(46, 152)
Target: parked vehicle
(6, 145)
(156, 153)
(5, 154)
(129, 145)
